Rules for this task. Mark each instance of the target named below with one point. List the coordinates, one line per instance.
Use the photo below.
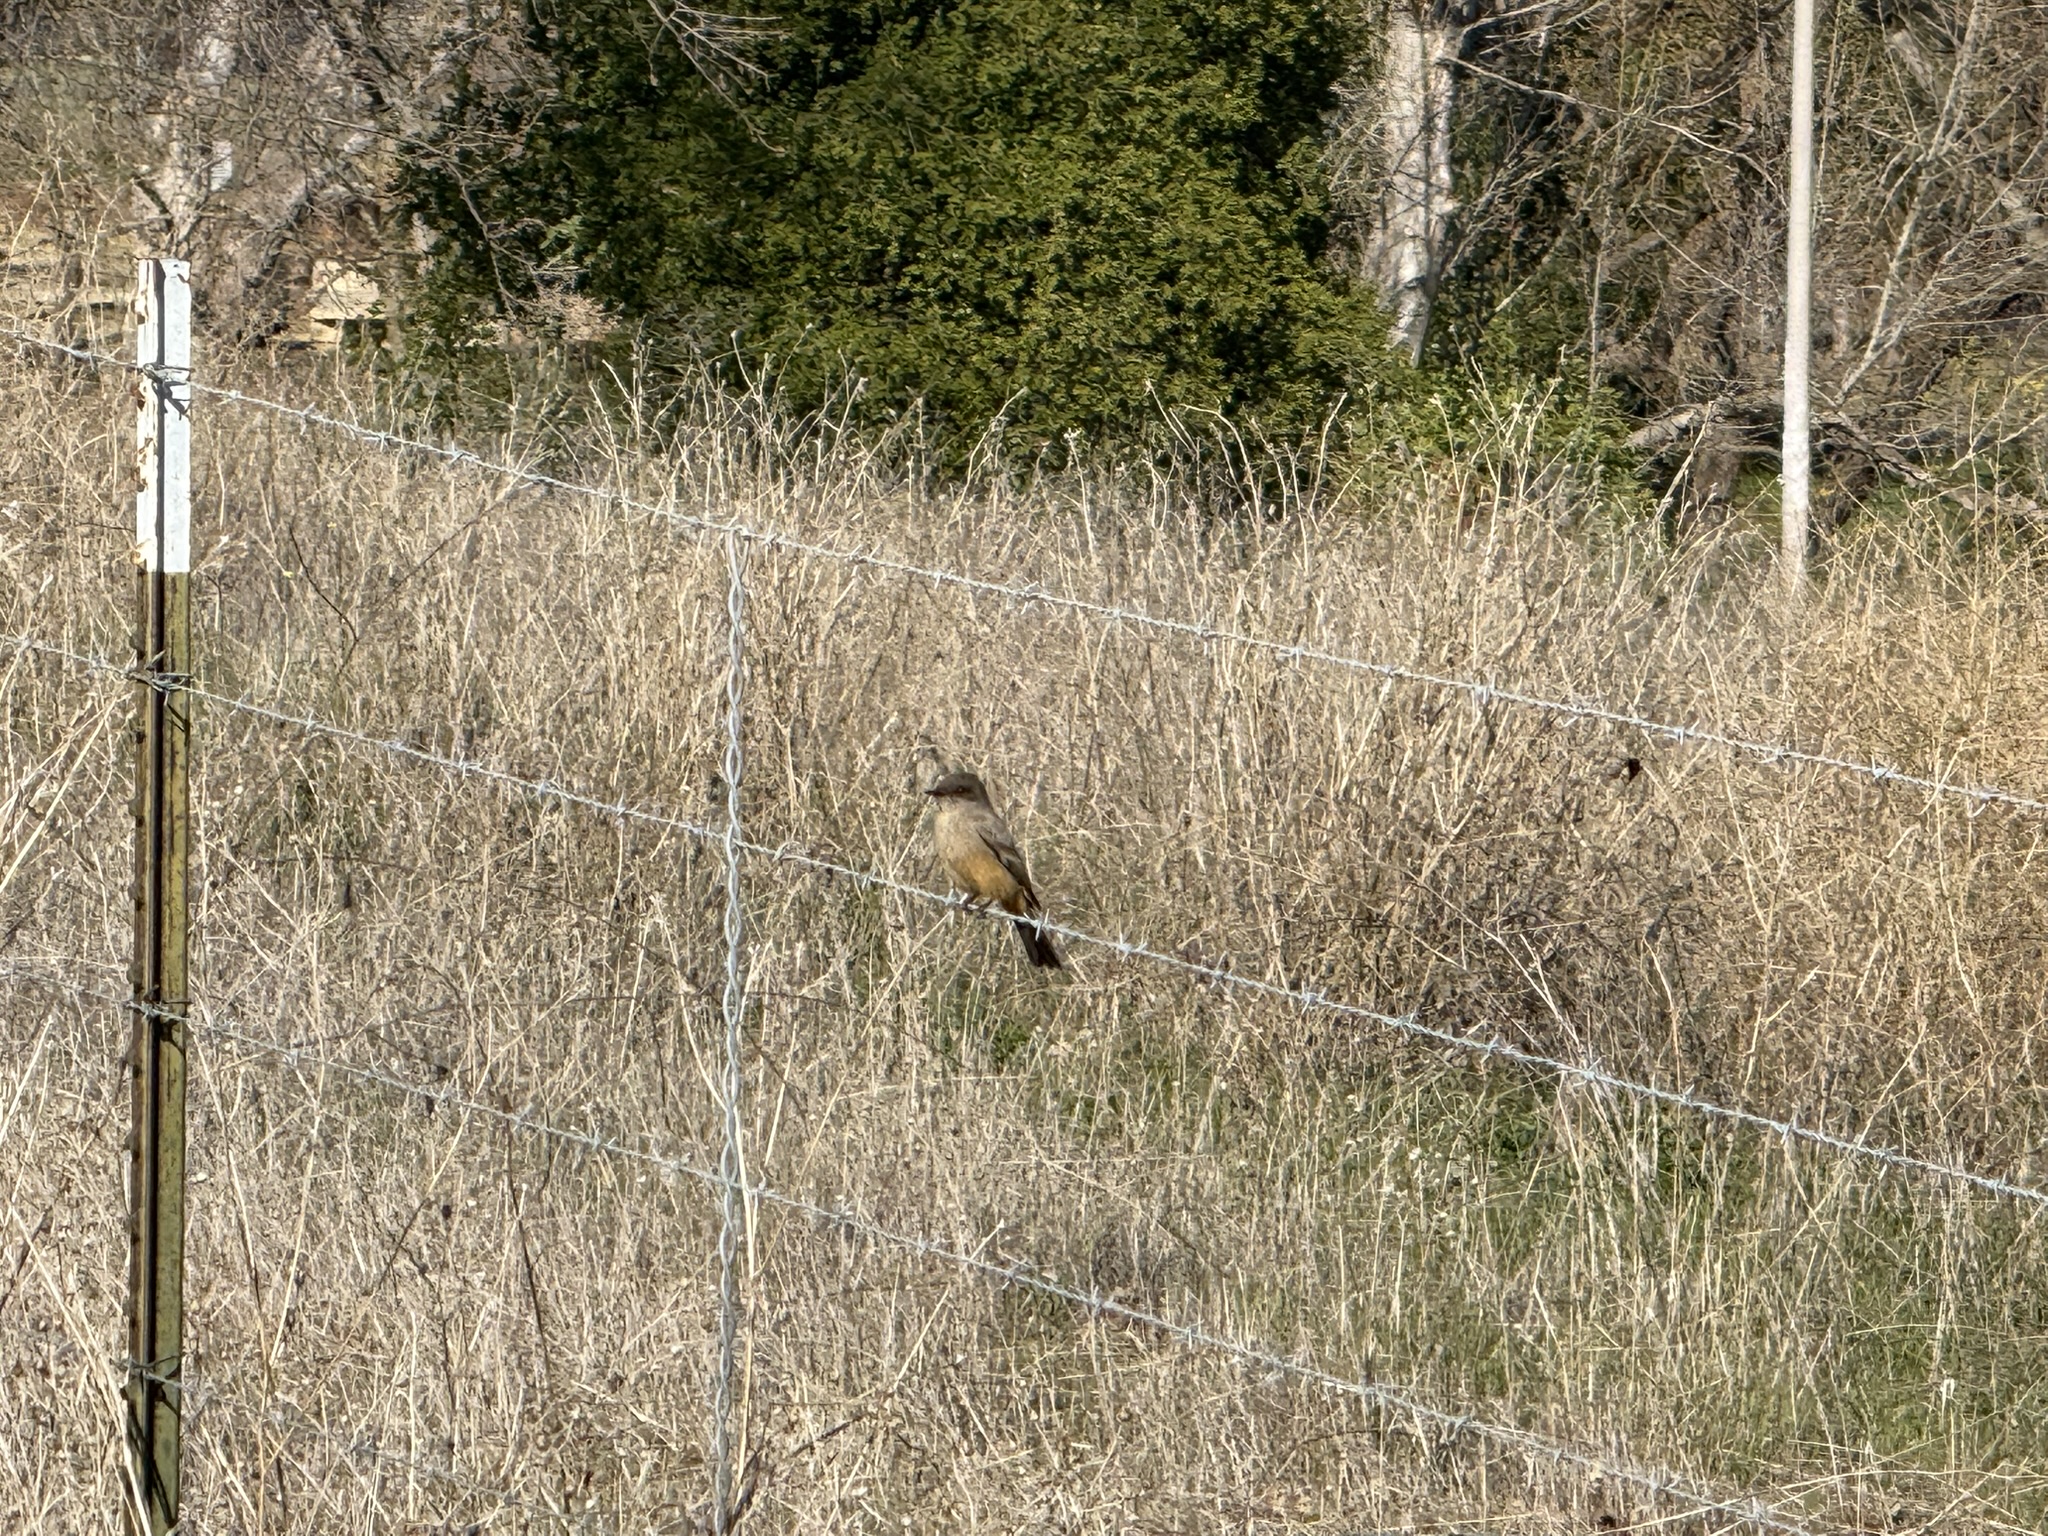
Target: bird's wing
(997, 838)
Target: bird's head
(958, 785)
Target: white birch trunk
(192, 163)
(1405, 247)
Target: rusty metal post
(163, 645)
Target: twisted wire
(731, 1168)
(1587, 1074)
(730, 1176)
(201, 1392)
(80, 354)
(1772, 754)
(1658, 1483)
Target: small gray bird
(985, 861)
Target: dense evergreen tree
(1054, 207)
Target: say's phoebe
(984, 860)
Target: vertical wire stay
(731, 1169)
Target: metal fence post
(163, 644)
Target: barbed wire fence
(729, 1179)
(1307, 1000)
(1691, 1499)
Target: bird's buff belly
(981, 874)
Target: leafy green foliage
(1052, 210)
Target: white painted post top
(163, 347)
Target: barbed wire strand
(731, 1169)
(1587, 1074)
(79, 354)
(299, 1055)
(1658, 1483)
(729, 1177)
(201, 1393)
(1773, 754)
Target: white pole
(1795, 473)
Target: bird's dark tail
(1037, 947)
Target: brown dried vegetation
(408, 1316)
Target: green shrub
(1051, 210)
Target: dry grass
(1865, 1348)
